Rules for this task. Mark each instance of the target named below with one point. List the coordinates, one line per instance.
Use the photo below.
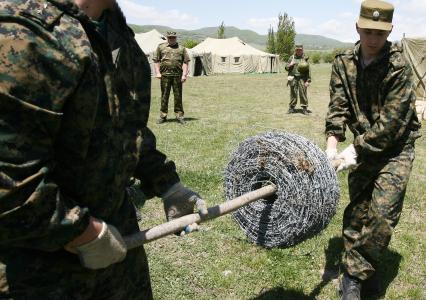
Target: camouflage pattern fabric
(167, 83)
(377, 104)
(297, 87)
(72, 134)
(171, 59)
(377, 189)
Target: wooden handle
(176, 225)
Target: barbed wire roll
(307, 195)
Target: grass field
(218, 262)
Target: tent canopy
(232, 55)
(149, 41)
(415, 52)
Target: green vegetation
(221, 31)
(218, 262)
(284, 38)
(256, 40)
(190, 43)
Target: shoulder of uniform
(41, 12)
(163, 45)
(397, 58)
(345, 52)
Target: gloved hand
(331, 153)
(348, 157)
(180, 201)
(106, 249)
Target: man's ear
(357, 28)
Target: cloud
(262, 25)
(140, 14)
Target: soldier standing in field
(371, 92)
(299, 78)
(171, 67)
(75, 98)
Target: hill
(311, 42)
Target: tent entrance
(198, 67)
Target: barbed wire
(307, 195)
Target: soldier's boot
(291, 110)
(350, 288)
(181, 120)
(372, 287)
(162, 119)
(305, 110)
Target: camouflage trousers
(29, 274)
(376, 189)
(167, 84)
(297, 87)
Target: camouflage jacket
(171, 59)
(292, 70)
(376, 102)
(72, 123)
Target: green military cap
(171, 34)
(298, 46)
(376, 14)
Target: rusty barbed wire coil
(307, 195)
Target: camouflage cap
(298, 46)
(376, 14)
(171, 34)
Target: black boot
(181, 120)
(372, 287)
(305, 111)
(350, 287)
(161, 120)
(291, 110)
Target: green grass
(218, 262)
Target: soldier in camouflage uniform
(298, 79)
(75, 98)
(171, 67)
(372, 92)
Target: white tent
(415, 52)
(149, 42)
(233, 56)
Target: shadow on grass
(174, 120)
(300, 111)
(280, 293)
(387, 270)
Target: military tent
(415, 52)
(233, 56)
(149, 42)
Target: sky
(331, 18)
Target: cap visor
(370, 24)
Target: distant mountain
(310, 42)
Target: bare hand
(183, 79)
(158, 76)
(307, 83)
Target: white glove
(331, 153)
(107, 249)
(348, 157)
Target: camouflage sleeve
(395, 115)
(156, 172)
(338, 108)
(186, 58)
(35, 80)
(157, 55)
(287, 68)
